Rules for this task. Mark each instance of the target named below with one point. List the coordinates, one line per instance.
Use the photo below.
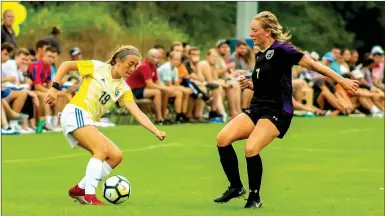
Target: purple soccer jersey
(272, 78)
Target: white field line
(86, 153)
(176, 144)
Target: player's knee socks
(254, 172)
(93, 175)
(106, 170)
(229, 163)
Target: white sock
(13, 123)
(55, 121)
(93, 175)
(374, 109)
(48, 122)
(48, 119)
(105, 172)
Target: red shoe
(91, 199)
(77, 193)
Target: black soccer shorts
(280, 120)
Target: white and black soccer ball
(116, 189)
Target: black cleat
(229, 194)
(253, 201)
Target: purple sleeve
(291, 54)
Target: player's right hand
(351, 86)
(51, 96)
(160, 135)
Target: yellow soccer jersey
(99, 91)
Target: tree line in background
(98, 26)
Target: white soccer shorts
(72, 118)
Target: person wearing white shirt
(168, 76)
(13, 78)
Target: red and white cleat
(91, 199)
(77, 193)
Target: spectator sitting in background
(336, 64)
(363, 99)
(6, 51)
(6, 111)
(17, 69)
(367, 85)
(353, 60)
(222, 73)
(186, 47)
(144, 82)
(324, 90)
(168, 76)
(41, 45)
(17, 98)
(53, 39)
(239, 57)
(161, 50)
(196, 82)
(32, 56)
(7, 33)
(207, 69)
(378, 68)
(223, 66)
(73, 85)
(344, 61)
(182, 70)
(75, 55)
(42, 80)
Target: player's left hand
(160, 135)
(51, 96)
(351, 86)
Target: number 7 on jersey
(257, 71)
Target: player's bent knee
(118, 156)
(251, 151)
(222, 140)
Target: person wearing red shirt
(145, 83)
(41, 81)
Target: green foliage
(151, 27)
(205, 22)
(313, 26)
(92, 27)
(98, 27)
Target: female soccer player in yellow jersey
(102, 86)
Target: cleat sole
(79, 199)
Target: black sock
(254, 172)
(212, 114)
(229, 163)
(178, 116)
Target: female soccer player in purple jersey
(271, 109)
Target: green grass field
(324, 166)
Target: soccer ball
(116, 189)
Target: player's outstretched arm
(144, 120)
(63, 69)
(350, 85)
